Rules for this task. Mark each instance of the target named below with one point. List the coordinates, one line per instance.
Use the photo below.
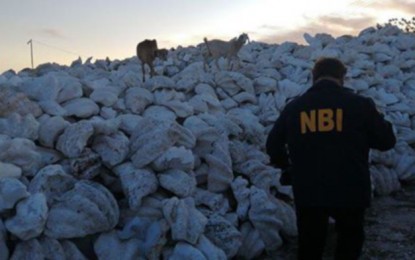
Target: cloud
(352, 24)
(367, 14)
(50, 32)
(269, 27)
(333, 25)
(406, 6)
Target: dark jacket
(325, 136)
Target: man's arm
(276, 142)
(381, 136)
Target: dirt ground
(390, 230)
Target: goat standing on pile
(226, 49)
(147, 52)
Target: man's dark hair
(329, 67)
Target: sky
(61, 31)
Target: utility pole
(31, 50)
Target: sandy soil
(390, 230)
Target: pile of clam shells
(96, 163)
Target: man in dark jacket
(323, 137)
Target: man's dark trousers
(313, 223)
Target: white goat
(226, 49)
(147, 52)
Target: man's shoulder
(291, 104)
(357, 97)
(296, 103)
(348, 96)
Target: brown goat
(147, 52)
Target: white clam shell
(30, 219)
(209, 250)
(51, 248)
(220, 173)
(74, 139)
(86, 209)
(234, 82)
(113, 148)
(108, 113)
(86, 166)
(268, 109)
(81, 107)
(224, 235)
(136, 183)
(406, 134)
(160, 113)
(9, 170)
(252, 129)
(150, 235)
(405, 167)
(52, 108)
(110, 246)
(152, 138)
(186, 222)
(4, 250)
(385, 180)
(181, 109)
(289, 89)
(151, 207)
(71, 89)
(30, 249)
(214, 201)
(12, 101)
(128, 122)
(161, 82)
(252, 245)
(264, 216)
(200, 129)
(22, 153)
(104, 127)
(106, 96)
(46, 87)
(16, 125)
(182, 184)
(51, 129)
(11, 191)
(184, 251)
(52, 181)
(242, 195)
(137, 99)
(261, 175)
(178, 158)
(265, 84)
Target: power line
(59, 49)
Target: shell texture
(136, 183)
(186, 222)
(86, 209)
(11, 191)
(93, 149)
(30, 219)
